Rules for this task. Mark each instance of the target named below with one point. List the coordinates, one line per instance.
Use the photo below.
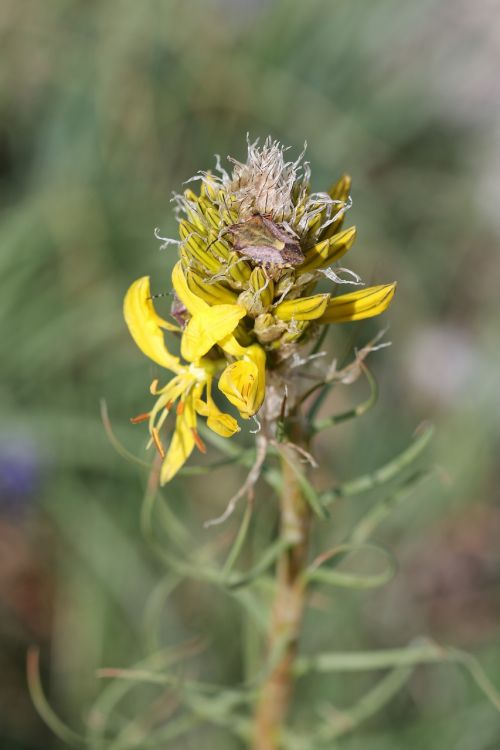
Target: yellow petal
(223, 424)
(179, 450)
(358, 305)
(145, 325)
(232, 347)
(202, 408)
(302, 308)
(207, 328)
(191, 301)
(243, 382)
(182, 443)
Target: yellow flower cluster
(254, 244)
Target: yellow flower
(243, 382)
(208, 326)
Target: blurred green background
(105, 109)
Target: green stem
(286, 620)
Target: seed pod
(251, 301)
(268, 328)
(295, 332)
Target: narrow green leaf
(117, 689)
(324, 574)
(345, 721)
(310, 494)
(267, 559)
(384, 474)
(239, 541)
(44, 709)
(384, 507)
(425, 652)
(356, 411)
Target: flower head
(255, 242)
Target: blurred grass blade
(117, 445)
(267, 558)
(157, 739)
(344, 721)
(45, 711)
(118, 688)
(225, 446)
(239, 541)
(384, 507)
(154, 606)
(172, 560)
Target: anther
(199, 442)
(157, 442)
(140, 418)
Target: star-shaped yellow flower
(242, 381)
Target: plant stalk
(286, 620)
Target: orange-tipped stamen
(199, 442)
(140, 418)
(157, 442)
(180, 408)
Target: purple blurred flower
(20, 473)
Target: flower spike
(254, 243)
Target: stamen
(180, 408)
(157, 442)
(153, 388)
(199, 442)
(140, 418)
